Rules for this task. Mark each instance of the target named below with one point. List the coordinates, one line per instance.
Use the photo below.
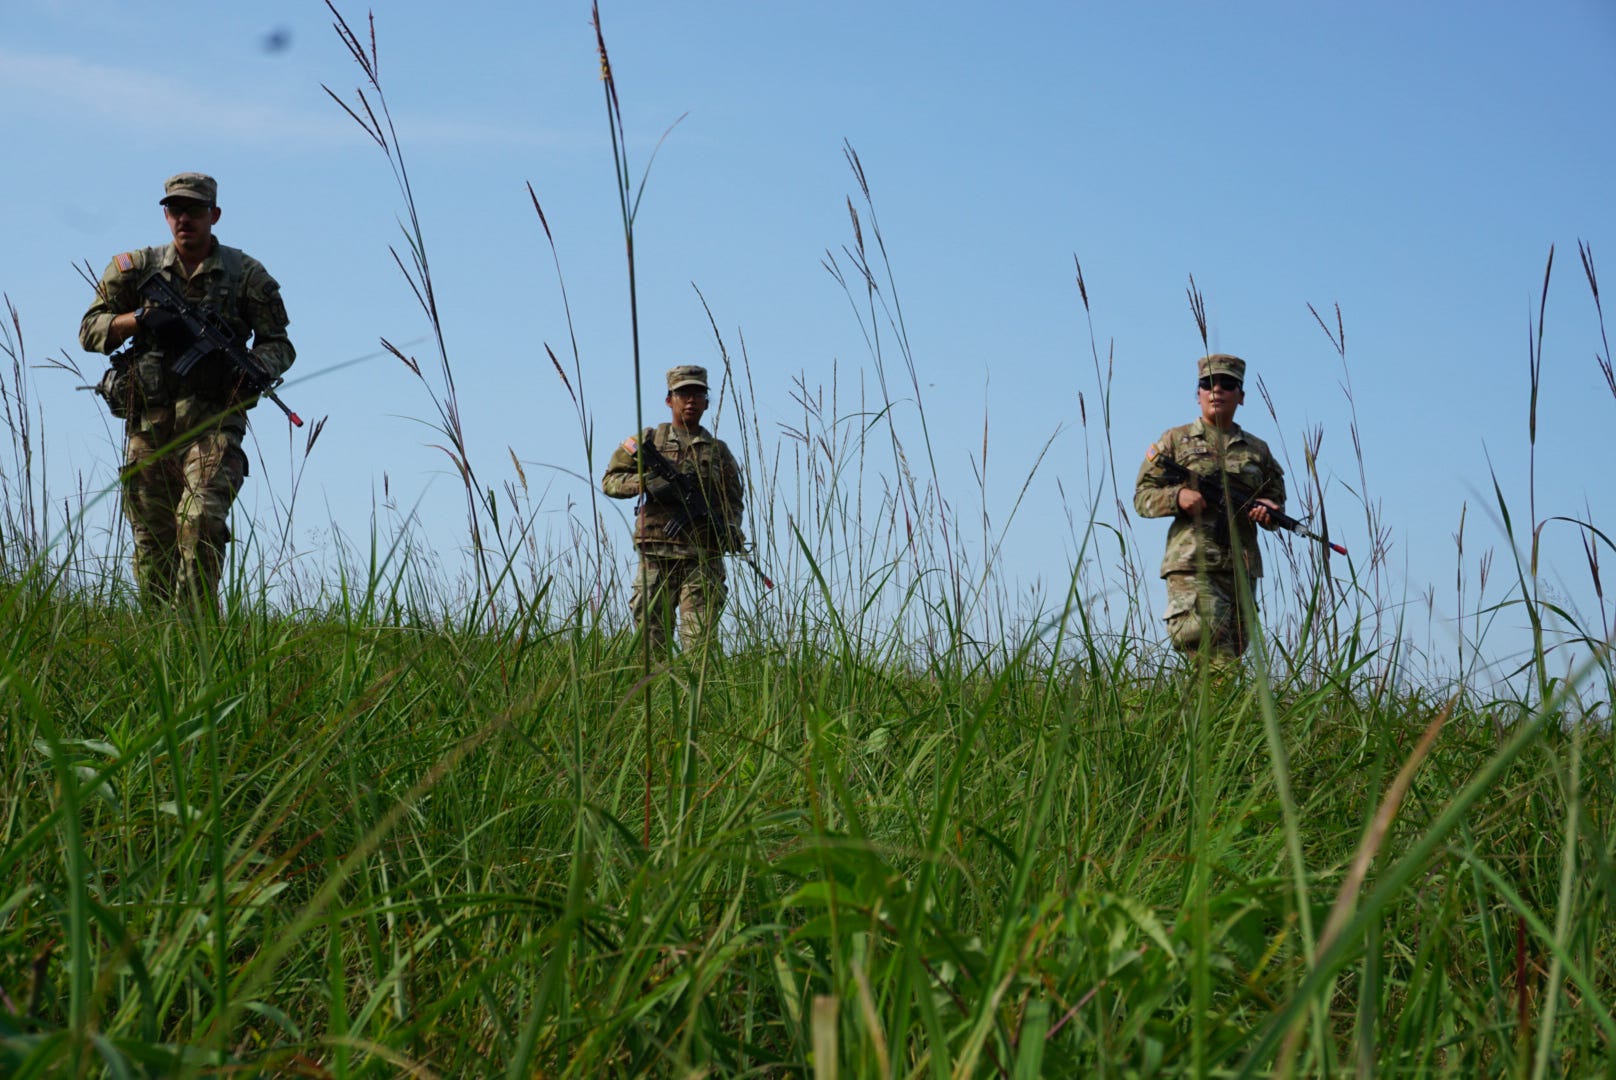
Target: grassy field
(910, 823)
(372, 842)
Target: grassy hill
(372, 842)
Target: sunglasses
(1222, 382)
(195, 210)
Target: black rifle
(208, 337)
(1212, 488)
(693, 505)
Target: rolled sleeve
(622, 478)
(114, 295)
(266, 314)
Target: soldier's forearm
(103, 332)
(121, 329)
(1155, 502)
(620, 485)
(276, 357)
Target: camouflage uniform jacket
(230, 282)
(1205, 546)
(699, 455)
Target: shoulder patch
(125, 261)
(1150, 454)
(631, 444)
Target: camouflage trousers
(177, 499)
(1203, 615)
(694, 588)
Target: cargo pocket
(149, 378)
(1183, 618)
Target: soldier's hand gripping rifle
(1212, 488)
(208, 337)
(694, 509)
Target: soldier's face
(1219, 398)
(688, 404)
(190, 222)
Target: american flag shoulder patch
(126, 261)
(631, 444)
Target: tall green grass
(375, 843)
(389, 822)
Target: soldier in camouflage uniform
(684, 570)
(1203, 612)
(183, 461)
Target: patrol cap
(1221, 364)
(687, 375)
(196, 186)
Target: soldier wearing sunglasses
(1206, 548)
(681, 575)
(183, 461)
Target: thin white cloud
(44, 87)
(40, 87)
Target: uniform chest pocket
(1199, 460)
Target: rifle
(209, 337)
(693, 504)
(1241, 494)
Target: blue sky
(1411, 163)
